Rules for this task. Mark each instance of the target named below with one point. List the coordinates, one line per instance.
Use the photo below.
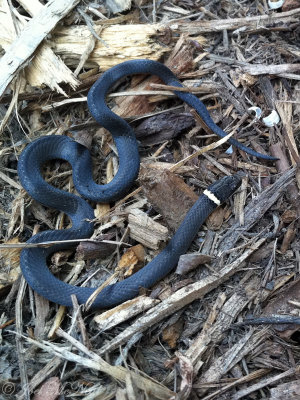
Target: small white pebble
(229, 150)
(275, 4)
(257, 111)
(271, 119)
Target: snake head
(225, 187)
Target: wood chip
(34, 32)
(123, 312)
(146, 231)
(123, 42)
(188, 262)
(131, 261)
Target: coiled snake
(34, 260)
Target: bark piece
(268, 92)
(289, 216)
(257, 169)
(180, 61)
(288, 238)
(263, 252)
(285, 111)
(90, 359)
(216, 219)
(186, 373)
(168, 194)
(265, 382)
(292, 190)
(163, 127)
(42, 310)
(216, 331)
(290, 5)
(96, 249)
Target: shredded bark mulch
(225, 324)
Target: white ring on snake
(212, 197)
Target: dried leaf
(289, 216)
(172, 333)
(216, 219)
(288, 238)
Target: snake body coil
(33, 260)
